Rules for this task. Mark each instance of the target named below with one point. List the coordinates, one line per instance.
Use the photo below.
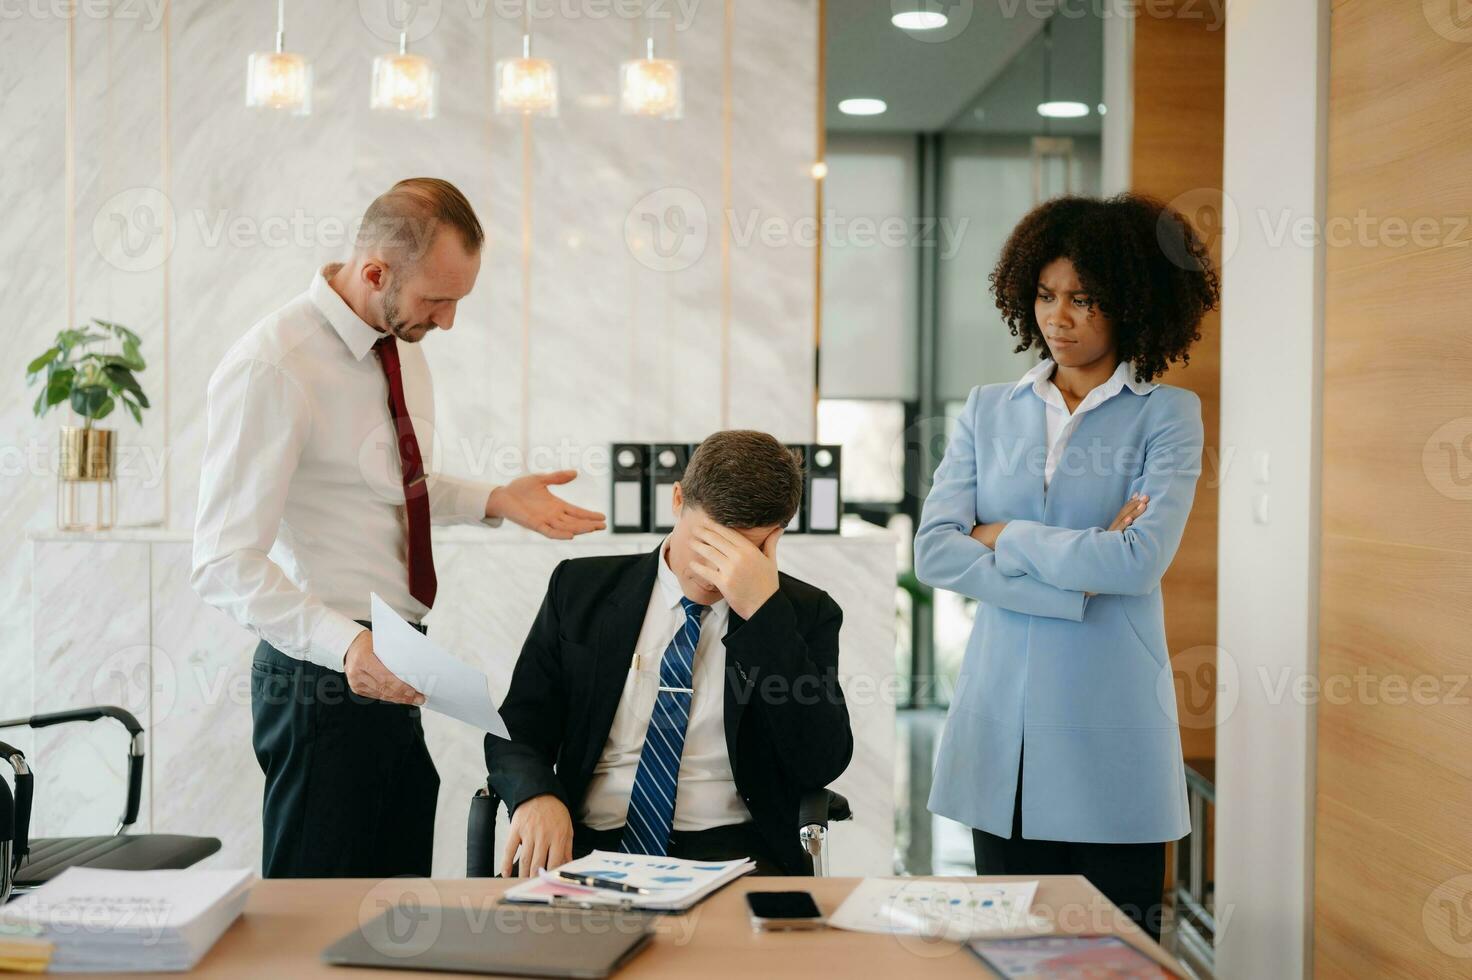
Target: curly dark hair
(1140, 261)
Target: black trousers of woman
(1131, 876)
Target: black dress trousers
(1132, 876)
(350, 785)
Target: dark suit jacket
(787, 728)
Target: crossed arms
(1040, 570)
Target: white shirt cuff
(331, 639)
(467, 501)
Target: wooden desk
(288, 923)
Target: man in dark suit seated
(678, 702)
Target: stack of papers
(672, 884)
(130, 921)
(22, 950)
(952, 910)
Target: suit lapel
(736, 694)
(618, 633)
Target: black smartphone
(783, 910)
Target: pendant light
(404, 83)
(526, 86)
(278, 79)
(1050, 108)
(651, 86)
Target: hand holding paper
(450, 686)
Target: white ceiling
(988, 58)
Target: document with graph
(656, 884)
(954, 910)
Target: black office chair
(26, 863)
(815, 811)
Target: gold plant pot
(86, 493)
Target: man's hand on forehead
(743, 572)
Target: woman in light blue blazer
(1058, 506)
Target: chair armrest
(480, 835)
(818, 806)
(135, 746)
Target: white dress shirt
(1061, 422)
(705, 791)
(301, 498)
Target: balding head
(416, 256)
(401, 224)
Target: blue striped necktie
(652, 803)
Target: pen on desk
(593, 882)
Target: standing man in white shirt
(315, 492)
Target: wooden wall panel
(1393, 827)
(1177, 156)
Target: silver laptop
(526, 941)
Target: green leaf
(133, 410)
(40, 362)
(122, 380)
(39, 409)
(88, 399)
(105, 409)
(59, 386)
(131, 357)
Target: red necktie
(422, 583)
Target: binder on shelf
(631, 506)
(799, 522)
(822, 495)
(666, 469)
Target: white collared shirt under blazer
(1086, 687)
(705, 787)
(301, 497)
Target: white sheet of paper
(956, 911)
(450, 686)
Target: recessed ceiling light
(862, 107)
(919, 20)
(1062, 110)
(1103, 108)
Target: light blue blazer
(1085, 682)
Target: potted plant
(94, 381)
